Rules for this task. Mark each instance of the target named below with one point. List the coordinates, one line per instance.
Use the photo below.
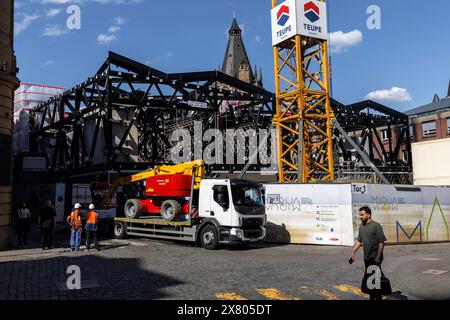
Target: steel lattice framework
(363, 121)
(303, 113)
(95, 119)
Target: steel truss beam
(364, 121)
(154, 102)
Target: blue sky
(411, 52)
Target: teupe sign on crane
(303, 17)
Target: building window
(384, 135)
(429, 128)
(411, 131)
(448, 125)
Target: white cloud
(105, 38)
(258, 39)
(341, 41)
(114, 29)
(53, 12)
(119, 21)
(54, 31)
(58, 1)
(27, 20)
(394, 94)
(48, 62)
(242, 26)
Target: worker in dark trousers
(46, 220)
(76, 227)
(372, 238)
(91, 227)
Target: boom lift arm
(194, 168)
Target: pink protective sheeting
(26, 97)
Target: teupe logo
(283, 15)
(312, 11)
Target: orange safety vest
(92, 217)
(74, 219)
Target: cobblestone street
(147, 269)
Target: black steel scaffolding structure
(88, 130)
(364, 122)
(129, 95)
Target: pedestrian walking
(76, 227)
(23, 224)
(46, 220)
(91, 227)
(372, 238)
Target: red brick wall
(441, 130)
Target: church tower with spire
(236, 62)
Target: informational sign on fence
(328, 213)
(307, 216)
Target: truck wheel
(209, 237)
(120, 230)
(132, 208)
(170, 210)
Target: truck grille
(252, 223)
(253, 233)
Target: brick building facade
(428, 122)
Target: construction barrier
(328, 213)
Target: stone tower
(236, 62)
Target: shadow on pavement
(61, 237)
(101, 278)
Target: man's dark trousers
(47, 237)
(367, 264)
(88, 239)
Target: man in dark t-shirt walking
(372, 238)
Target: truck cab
(231, 211)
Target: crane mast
(304, 118)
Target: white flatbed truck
(229, 211)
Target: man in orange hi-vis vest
(91, 227)
(74, 220)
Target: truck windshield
(246, 195)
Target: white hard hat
(91, 207)
(77, 206)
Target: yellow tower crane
(304, 118)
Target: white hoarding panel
(407, 213)
(430, 162)
(436, 213)
(309, 214)
(303, 17)
(328, 213)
